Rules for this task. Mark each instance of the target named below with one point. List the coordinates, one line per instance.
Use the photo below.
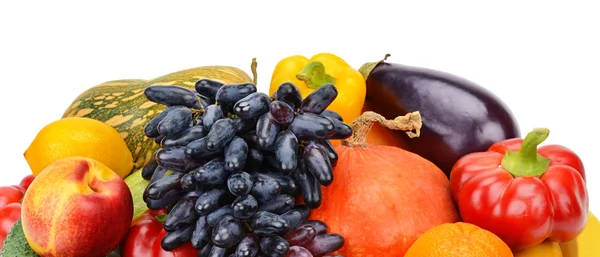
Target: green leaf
(137, 185)
(15, 244)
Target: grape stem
(253, 70)
(411, 123)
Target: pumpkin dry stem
(253, 70)
(411, 123)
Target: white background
(541, 58)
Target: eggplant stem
(410, 123)
(368, 67)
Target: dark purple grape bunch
(232, 162)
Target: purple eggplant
(459, 117)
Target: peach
(76, 207)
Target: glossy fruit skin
(9, 215)
(286, 145)
(266, 224)
(208, 87)
(151, 128)
(10, 206)
(312, 126)
(26, 181)
(459, 116)
(288, 93)
(240, 183)
(236, 152)
(10, 194)
(145, 236)
(227, 232)
(160, 187)
(309, 186)
(252, 106)
(282, 112)
(182, 215)
(244, 207)
(178, 120)
(211, 200)
(185, 137)
(249, 246)
(211, 114)
(212, 173)
(266, 131)
(229, 94)
(278, 205)
(318, 102)
(172, 95)
(318, 163)
(220, 134)
(175, 159)
(552, 206)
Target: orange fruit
(458, 240)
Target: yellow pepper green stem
(526, 161)
(314, 75)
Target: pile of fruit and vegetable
(334, 160)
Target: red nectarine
(76, 207)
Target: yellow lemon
(83, 137)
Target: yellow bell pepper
(586, 244)
(545, 249)
(320, 69)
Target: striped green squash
(123, 105)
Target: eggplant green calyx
(366, 68)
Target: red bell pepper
(522, 193)
(26, 181)
(145, 236)
(10, 206)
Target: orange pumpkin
(384, 197)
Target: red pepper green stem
(314, 75)
(526, 161)
(161, 218)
